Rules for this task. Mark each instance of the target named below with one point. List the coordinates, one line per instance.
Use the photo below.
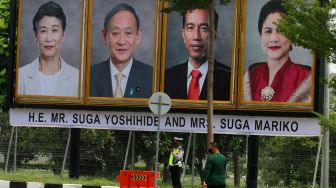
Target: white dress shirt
(203, 69)
(125, 72)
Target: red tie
(194, 87)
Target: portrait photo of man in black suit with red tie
(188, 80)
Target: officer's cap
(178, 139)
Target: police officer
(176, 162)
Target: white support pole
(9, 147)
(157, 143)
(156, 102)
(66, 152)
(246, 149)
(317, 161)
(325, 149)
(15, 149)
(128, 145)
(187, 155)
(322, 166)
(325, 159)
(133, 150)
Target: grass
(47, 176)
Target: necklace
(267, 93)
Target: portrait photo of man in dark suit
(121, 75)
(188, 80)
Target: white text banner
(171, 122)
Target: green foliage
(311, 24)
(102, 152)
(3, 76)
(181, 6)
(4, 51)
(330, 122)
(4, 19)
(288, 161)
(34, 142)
(332, 81)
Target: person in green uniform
(215, 167)
(176, 162)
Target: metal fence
(283, 161)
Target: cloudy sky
(332, 68)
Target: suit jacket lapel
(133, 78)
(183, 74)
(203, 95)
(34, 82)
(105, 84)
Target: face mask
(210, 150)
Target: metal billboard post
(325, 148)
(127, 148)
(187, 155)
(9, 148)
(317, 160)
(133, 150)
(74, 153)
(159, 103)
(66, 152)
(15, 149)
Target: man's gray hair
(116, 9)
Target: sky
(332, 68)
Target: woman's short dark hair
(116, 9)
(49, 9)
(270, 7)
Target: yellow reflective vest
(176, 156)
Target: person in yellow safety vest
(176, 162)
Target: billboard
(178, 56)
(78, 63)
(50, 51)
(273, 72)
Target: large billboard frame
(149, 23)
(27, 88)
(226, 53)
(252, 58)
(235, 105)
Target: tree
(4, 51)
(182, 6)
(290, 161)
(312, 25)
(52, 144)
(4, 57)
(3, 75)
